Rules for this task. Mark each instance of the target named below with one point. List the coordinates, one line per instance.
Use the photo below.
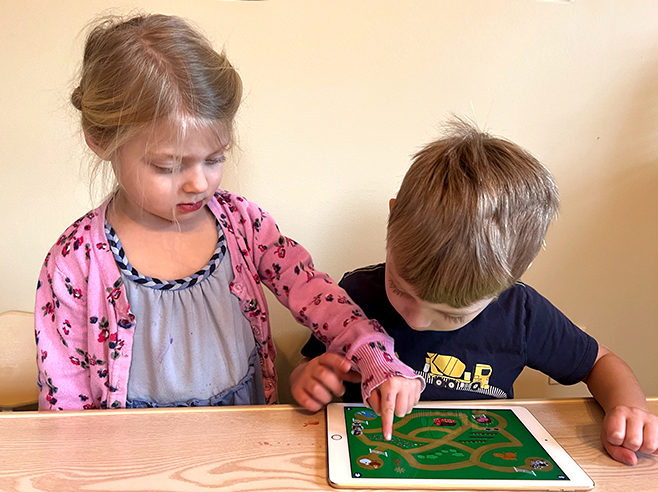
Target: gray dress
(192, 345)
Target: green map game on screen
(447, 444)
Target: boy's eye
(454, 319)
(396, 291)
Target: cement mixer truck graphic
(448, 371)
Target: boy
(469, 219)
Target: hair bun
(76, 98)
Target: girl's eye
(162, 167)
(216, 160)
(163, 170)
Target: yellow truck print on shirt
(448, 371)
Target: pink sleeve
(61, 335)
(317, 302)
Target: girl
(113, 330)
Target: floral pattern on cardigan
(84, 327)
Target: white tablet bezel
(340, 474)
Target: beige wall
(340, 93)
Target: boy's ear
(94, 146)
(390, 204)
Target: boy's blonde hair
(470, 216)
(141, 71)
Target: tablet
(445, 446)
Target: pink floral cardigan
(84, 327)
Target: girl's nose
(194, 180)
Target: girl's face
(164, 180)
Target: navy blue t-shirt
(483, 358)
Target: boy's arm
(628, 425)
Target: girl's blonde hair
(140, 71)
(470, 216)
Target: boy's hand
(628, 426)
(314, 383)
(397, 395)
(626, 430)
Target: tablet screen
(451, 443)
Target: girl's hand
(627, 430)
(313, 384)
(397, 395)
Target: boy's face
(422, 315)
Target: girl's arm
(317, 302)
(628, 425)
(60, 330)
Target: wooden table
(279, 448)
